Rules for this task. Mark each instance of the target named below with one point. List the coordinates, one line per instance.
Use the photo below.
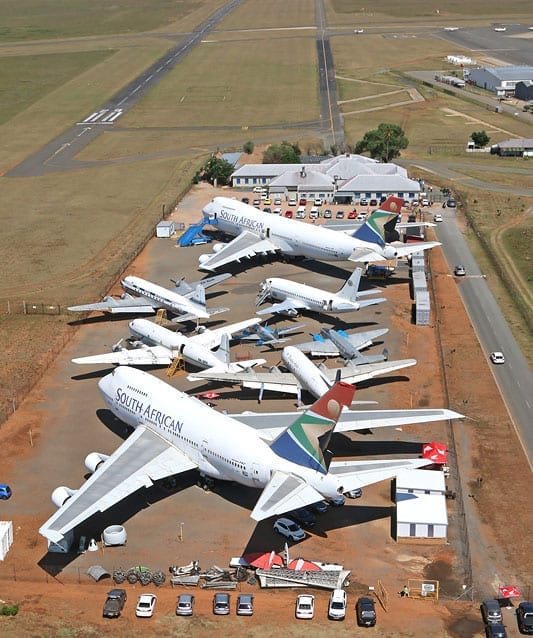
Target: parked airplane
(175, 433)
(322, 346)
(302, 375)
(155, 345)
(141, 296)
(348, 351)
(267, 336)
(294, 297)
(260, 233)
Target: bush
(9, 611)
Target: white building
(502, 79)
(420, 482)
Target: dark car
(327, 213)
(245, 605)
(524, 617)
(451, 203)
(366, 612)
(5, 491)
(491, 612)
(496, 630)
(114, 604)
(373, 202)
(320, 507)
(245, 200)
(339, 214)
(304, 517)
(363, 201)
(221, 604)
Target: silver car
(185, 605)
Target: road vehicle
(524, 617)
(5, 491)
(288, 213)
(221, 602)
(337, 501)
(365, 610)
(352, 214)
(337, 604)
(277, 201)
(318, 201)
(497, 357)
(496, 630)
(459, 270)
(245, 605)
(303, 201)
(437, 217)
(289, 529)
(451, 203)
(425, 202)
(363, 201)
(277, 211)
(114, 604)
(340, 214)
(313, 214)
(145, 605)
(491, 612)
(305, 606)
(327, 214)
(303, 517)
(373, 202)
(256, 202)
(357, 493)
(320, 507)
(292, 201)
(361, 217)
(245, 200)
(185, 605)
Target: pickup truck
(114, 604)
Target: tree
(217, 169)
(480, 139)
(284, 153)
(248, 147)
(384, 142)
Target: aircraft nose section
(105, 385)
(209, 209)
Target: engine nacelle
(94, 460)
(389, 252)
(203, 258)
(218, 247)
(61, 495)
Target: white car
(305, 606)
(145, 605)
(318, 201)
(497, 357)
(292, 202)
(337, 604)
(424, 202)
(276, 211)
(289, 529)
(438, 217)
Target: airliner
(294, 297)
(174, 433)
(302, 374)
(186, 301)
(323, 346)
(153, 344)
(260, 233)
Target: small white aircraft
(174, 433)
(302, 375)
(260, 233)
(267, 336)
(187, 301)
(294, 297)
(156, 345)
(323, 346)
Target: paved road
(514, 378)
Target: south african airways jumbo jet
(260, 233)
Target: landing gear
(206, 483)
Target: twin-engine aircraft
(260, 233)
(186, 302)
(174, 433)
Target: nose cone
(209, 209)
(105, 385)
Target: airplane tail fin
(305, 442)
(351, 287)
(380, 222)
(198, 296)
(223, 354)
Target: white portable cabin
(6, 537)
(420, 482)
(421, 517)
(165, 229)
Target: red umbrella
(210, 395)
(508, 591)
(300, 564)
(265, 560)
(435, 452)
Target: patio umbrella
(300, 564)
(435, 452)
(263, 560)
(508, 591)
(210, 395)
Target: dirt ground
(495, 512)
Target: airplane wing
(145, 356)
(211, 338)
(186, 289)
(283, 306)
(274, 380)
(142, 459)
(246, 244)
(321, 347)
(125, 303)
(284, 492)
(356, 474)
(403, 250)
(272, 424)
(358, 373)
(191, 317)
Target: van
(300, 213)
(313, 213)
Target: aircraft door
(256, 474)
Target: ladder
(161, 316)
(176, 367)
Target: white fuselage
(308, 375)
(222, 447)
(314, 298)
(292, 237)
(162, 297)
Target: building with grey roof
(501, 80)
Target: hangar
(501, 80)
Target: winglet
(307, 439)
(373, 230)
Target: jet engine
(61, 495)
(218, 247)
(389, 252)
(94, 460)
(203, 258)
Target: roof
(421, 508)
(232, 158)
(304, 178)
(520, 142)
(366, 182)
(511, 72)
(421, 480)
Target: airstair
(176, 367)
(264, 292)
(283, 577)
(193, 235)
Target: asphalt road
(514, 378)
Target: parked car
(5, 491)
(313, 213)
(221, 604)
(245, 200)
(497, 357)
(300, 213)
(258, 189)
(303, 201)
(460, 270)
(185, 605)
(276, 211)
(361, 217)
(288, 214)
(339, 214)
(337, 604)
(289, 529)
(337, 501)
(305, 606)
(490, 611)
(267, 200)
(373, 202)
(327, 214)
(257, 202)
(363, 201)
(357, 493)
(267, 209)
(292, 201)
(496, 630)
(303, 517)
(524, 617)
(425, 202)
(451, 203)
(365, 610)
(437, 217)
(318, 201)
(114, 603)
(352, 214)
(145, 605)
(277, 201)
(245, 605)
(320, 507)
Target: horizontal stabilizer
(284, 492)
(357, 474)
